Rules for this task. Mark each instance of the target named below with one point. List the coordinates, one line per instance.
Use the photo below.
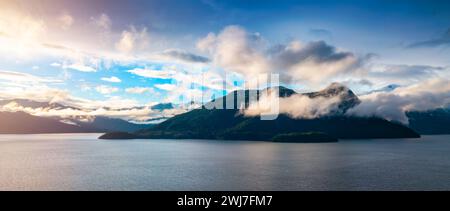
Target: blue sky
(92, 50)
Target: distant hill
(163, 106)
(231, 124)
(23, 123)
(430, 122)
(106, 124)
(35, 104)
(27, 123)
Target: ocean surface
(82, 162)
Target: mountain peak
(336, 87)
(348, 99)
(282, 91)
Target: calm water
(81, 162)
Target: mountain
(106, 124)
(388, 88)
(431, 122)
(348, 99)
(162, 106)
(23, 123)
(231, 124)
(34, 104)
(55, 124)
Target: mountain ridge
(231, 124)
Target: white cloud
(133, 40)
(430, 94)
(24, 77)
(147, 73)
(139, 90)
(55, 64)
(403, 74)
(32, 91)
(21, 33)
(80, 67)
(236, 50)
(296, 106)
(166, 87)
(66, 21)
(112, 79)
(35, 67)
(106, 89)
(103, 21)
(136, 114)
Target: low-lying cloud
(297, 106)
(431, 94)
(134, 114)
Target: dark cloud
(185, 56)
(319, 52)
(440, 41)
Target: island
(231, 124)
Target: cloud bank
(235, 49)
(297, 106)
(431, 94)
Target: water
(81, 162)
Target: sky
(123, 54)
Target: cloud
(106, 89)
(21, 32)
(360, 82)
(24, 77)
(140, 114)
(444, 39)
(103, 21)
(133, 40)
(314, 61)
(80, 67)
(296, 106)
(56, 47)
(147, 73)
(32, 91)
(392, 105)
(56, 64)
(182, 56)
(140, 90)
(403, 74)
(66, 21)
(112, 79)
(236, 50)
(166, 87)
